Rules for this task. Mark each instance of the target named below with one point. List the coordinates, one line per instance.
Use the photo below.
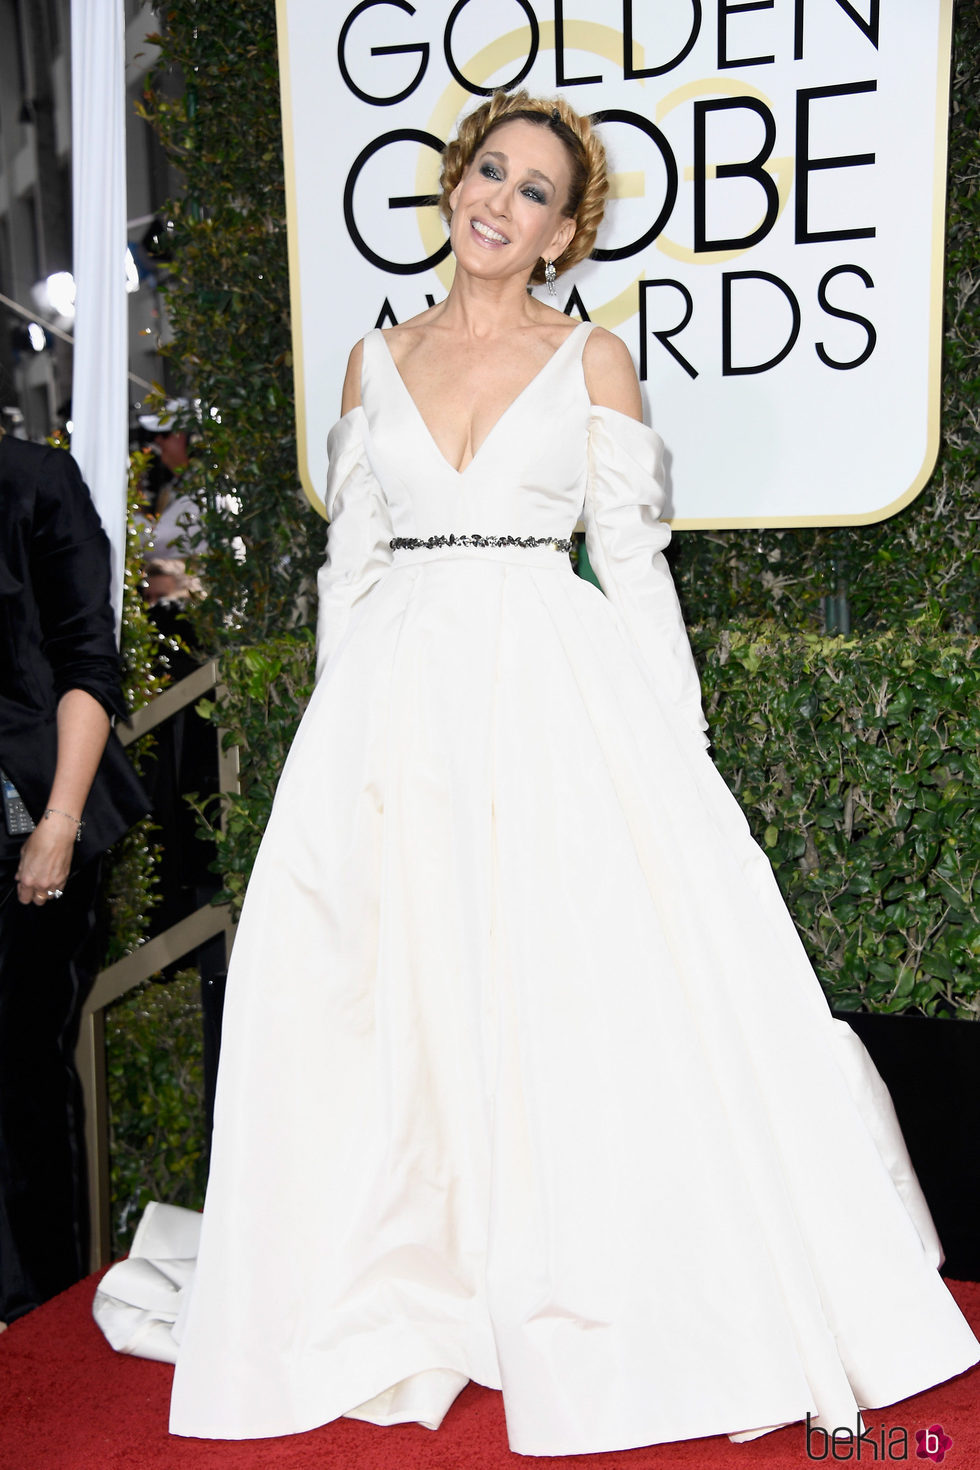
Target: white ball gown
(525, 1076)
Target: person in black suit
(65, 773)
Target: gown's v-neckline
(498, 421)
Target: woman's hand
(83, 728)
(45, 859)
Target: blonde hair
(186, 586)
(586, 201)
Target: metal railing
(153, 956)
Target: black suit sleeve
(70, 572)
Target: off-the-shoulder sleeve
(625, 540)
(358, 553)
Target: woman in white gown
(525, 1076)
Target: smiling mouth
(486, 233)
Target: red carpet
(68, 1402)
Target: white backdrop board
(772, 255)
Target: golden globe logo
(760, 226)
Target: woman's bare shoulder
(397, 338)
(610, 375)
(351, 396)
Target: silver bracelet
(55, 811)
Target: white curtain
(99, 383)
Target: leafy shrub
(155, 1065)
(858, 765)
(129, 890)
(265, 690)
(214, 102)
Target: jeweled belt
(428, 543)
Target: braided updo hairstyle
(586, 157)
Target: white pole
(99, 392)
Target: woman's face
(508, 206)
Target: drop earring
(550, 275)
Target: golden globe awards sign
(772, 252)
